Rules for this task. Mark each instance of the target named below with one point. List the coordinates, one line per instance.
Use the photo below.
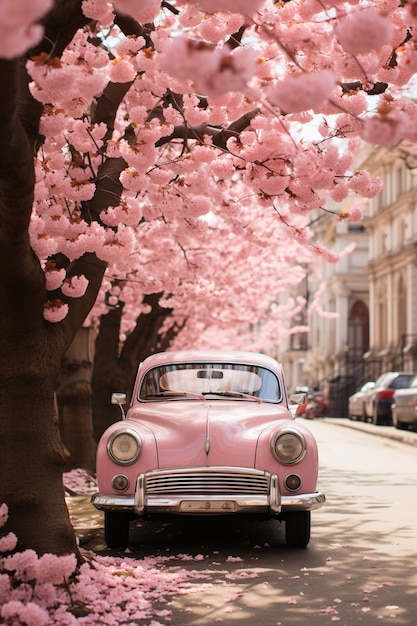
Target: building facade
(369, 300)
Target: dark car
(379, 400)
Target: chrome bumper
(272, 503)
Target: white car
(379, 399)
(356, 408)
(404, 409)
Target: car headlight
(289, 446)
(124, 446)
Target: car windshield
(191, 380)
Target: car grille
(206, 482)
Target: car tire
(297, 529)
(376, 419)
(401, 425)
(116, 529)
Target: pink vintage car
(208, 433)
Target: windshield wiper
(236, 394)
(176, 394)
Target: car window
(214, 379)
(367, 386)
(413, 382)
(401, 381)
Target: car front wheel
(297, 529)
(116, 529)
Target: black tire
(116, 529)
(376, 418)
(297, 529)
(401, 425)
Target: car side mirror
(298, 398)
(120, 399)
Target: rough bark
(73, 394)
(31, 349)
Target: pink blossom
(234, 72)
(411, 11)
(55, 569)
(385, 129)
(187, 58)
(5, 588)
(356, 213)
(18, 30)
(328, 255)
(121, 71)
(30, 614)
(55, 311)
(214, 70)
(23, 564)
(339, 192)
(143, 11)
(364, 30)
(54, 278)
(75, 287)
(302, 92)
(362, 183)
(244, 7)
(97, 10)
(4, 514)
(8, 542)
(129, 212)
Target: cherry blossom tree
(178, 149)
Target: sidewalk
(389, 432)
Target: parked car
(379, 400)
(208, 433)
(404, 408)
(356, 408)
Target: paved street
(360, 567)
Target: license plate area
(207, 506)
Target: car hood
(209, 432)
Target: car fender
(307, 468)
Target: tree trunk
(31, 349)
(32, 454)
(73, 394)
(106, 377)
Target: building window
(358, 329)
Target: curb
(388, 432)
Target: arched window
(358, 328)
